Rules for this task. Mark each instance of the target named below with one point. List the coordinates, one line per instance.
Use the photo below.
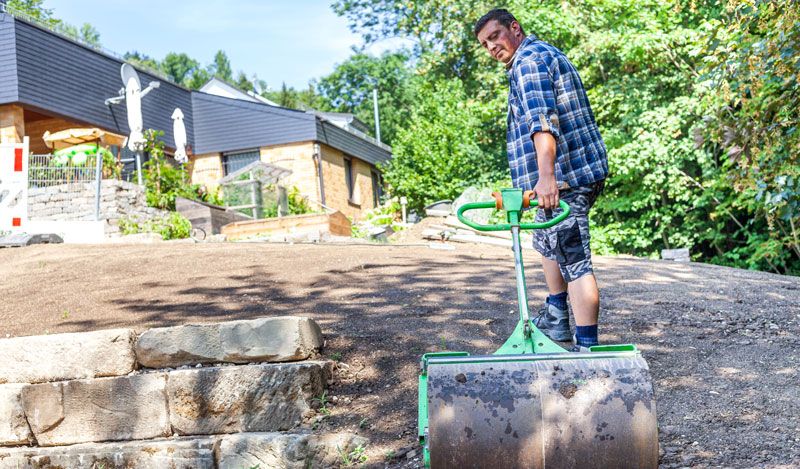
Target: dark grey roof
(227, 124)
(349, 143)
(8, 60)
(58, 76)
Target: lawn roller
(532, 404)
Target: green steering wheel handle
(507, 226)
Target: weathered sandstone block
(122, 408)
(287, 451)
(14, 428)
(279, 339)
(250, 398)
(176, 453)
(43, 358)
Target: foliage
(165, 181)
(172, 226)
(289, 97)
(697, 101)
(298, 204)
(35, 9)
(354, 457)
(752, 66)
(349, 89)
(438, 153)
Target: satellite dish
(179, 132)
(133, 102)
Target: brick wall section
(297, 158)
(206, 169)
(12, 123)
(336, 193)
(35, 130)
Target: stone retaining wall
(118, 199)
(224, 395)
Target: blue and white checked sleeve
(537, 97)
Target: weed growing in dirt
(336, 356)
(363, 423)
(323, 403)
(389, 455)
(356, 456)
(65, 314)
(442, 344)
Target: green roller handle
(507, 226)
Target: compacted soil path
(722, 344)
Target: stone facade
(118, 199)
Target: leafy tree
(180, 67)
(292, 98)
(754, 104)
(349, 89)
(437, 153)
(142, 60)
(36, 10)
(222, 66)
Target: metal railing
(64, 188)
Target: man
(555, 149)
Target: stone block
(250, 398)
(14, 429)
(104, 409)
(280, 339)
(174, 453)
(43, 358)
(288, 451)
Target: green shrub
(172, 226)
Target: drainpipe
(318, 159)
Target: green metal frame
(526, 339)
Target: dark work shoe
(553, 322)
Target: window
(377, 188)
(234, 161)
(348, 177)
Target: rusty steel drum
(561, 410)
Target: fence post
(98, 175)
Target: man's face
(501, 42)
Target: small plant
(442, 343)
(357, 455)
(363, 423)
(173, 226)
(65, 314)
(323, 403)
(336, 356)
(389, 455)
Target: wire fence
(62, 188)
(50, 170)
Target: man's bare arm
(546, 188)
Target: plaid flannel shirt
(546, 95)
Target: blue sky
(279, 40)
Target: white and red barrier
(14, 186)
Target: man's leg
(552, 276)
(585, 299)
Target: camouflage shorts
(568, 242)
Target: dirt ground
(722, 344)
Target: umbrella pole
(139, 166)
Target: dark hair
(503, 16)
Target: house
(49, 82)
